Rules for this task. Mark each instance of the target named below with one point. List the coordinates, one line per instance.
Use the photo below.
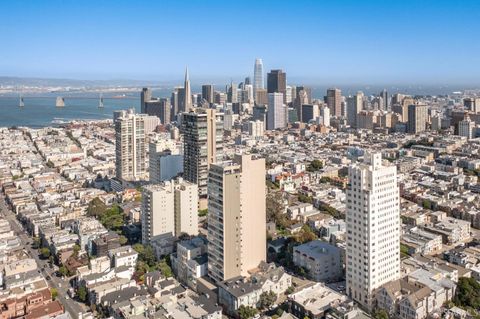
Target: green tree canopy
(246, 312)
(315, 165)
(468, 294)
(113, 218)
(82, 293)
(275, 209)
(54, 293)
(63, 271)
(267, 299)
(380, 314)
(96, 207)
(45, 252)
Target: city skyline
(340, 43)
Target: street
(74, 308)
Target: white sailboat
(60, 102)
(21, 103)
(100, 103)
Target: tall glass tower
(258, 75)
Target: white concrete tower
(373, 228)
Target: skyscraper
(232, 93)
(324, 118)
(130, 148)
(386, 100)
(354, 106)
(170, 207)
(417, 118)
(255, 129)
(160, 108)
(277, 112)
(187, 94)
(208, 93)
(277, 82)
(334, 101)
(310, 112)
(236, 217)
(258, 75)
(247, 94)
(466, 127)
(302, 97)
(145, 96)
(175, 104)
(202, 145)
(261, 97)
(373, 228)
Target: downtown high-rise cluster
(200, 152)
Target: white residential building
(324, 118)
(322, 260)
(256, 129)
(170, 207)
(373, 228)
(466, 128)
(130, 149)
(165, 160)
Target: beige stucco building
(236, 219)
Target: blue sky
(332, 42)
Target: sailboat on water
(21, 103)
(100, 103)
(60, 102)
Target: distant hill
(20, 81)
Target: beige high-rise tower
(236, 217)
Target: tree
(139, 248)
(267, 299)
(331, 211)
(96, 207)
(54, 293)
(245, 312)
(427, 204)
(468, 294)
(315, 165)
(113, 218)
(45, 252)
(82, 294)
(403, 250)
(290, 290)
(145, 254)
(380, 314)
(275, 209)
(140, 270)
(202, 212)
(306, 234)
(76, 249)
(305, 199)
(123, 240)
(63, 271)
(165, 268)
(36, 243)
